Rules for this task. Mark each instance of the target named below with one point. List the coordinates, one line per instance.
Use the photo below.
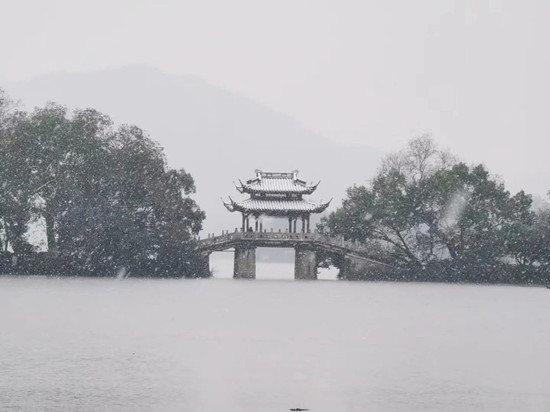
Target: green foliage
(14, 197)
(106, 196)
(441, 219)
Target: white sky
(475, 74)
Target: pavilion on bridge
(280, 194)
(276, 194)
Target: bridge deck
(316, 241)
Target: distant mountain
(216, 135)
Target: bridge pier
(244, 266)
(354, 268)
(204, 266)
(346, 271)
(305, 263)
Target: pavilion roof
(275, 206)
(276, 182)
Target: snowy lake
(271, 345)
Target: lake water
(271, 345)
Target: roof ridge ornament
(229, 205)
(239, 188)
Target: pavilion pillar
(290, 225)
(295, 219)
(256, 224)
(305, 263)
(307, 223)
(244, 222)
(303, 224)
(244, 266)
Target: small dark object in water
(299, 409)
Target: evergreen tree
(107, 197)
(438, 218)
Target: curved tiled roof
(276, 182)
(277, 186)
(275, 206)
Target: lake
(271, 345)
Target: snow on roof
(276, 182)
(276, 206)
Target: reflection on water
(238, 345)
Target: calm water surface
(271, 345)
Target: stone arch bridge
(306, 246)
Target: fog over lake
(271, 345)
(409, 140)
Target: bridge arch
(306, 246)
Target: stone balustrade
(316, 237)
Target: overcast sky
(474, 74)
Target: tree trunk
(50, 232)
(7, 236)
(4, 247)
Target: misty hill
(216, 135)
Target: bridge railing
(228, 236)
